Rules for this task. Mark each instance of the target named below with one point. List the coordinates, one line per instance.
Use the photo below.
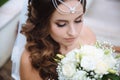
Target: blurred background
(103, 16)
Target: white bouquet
(88, 63)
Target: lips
(69, 39)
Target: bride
(52, 26)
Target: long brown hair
(41, 46)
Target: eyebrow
(67, 21)
(79, 16)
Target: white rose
(70, 57)
(110, 60)
(68, 69)
(92, 51)
(80, 75)
(101, 67)
(88, 62)
(87, 49)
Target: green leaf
(111, 77)
(60, 56)
(2, 2)
(107, 51)
(117, 56)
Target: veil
(19, 45)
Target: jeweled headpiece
(72, 9)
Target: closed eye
(60, 25)
(78, 21)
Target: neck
(65, 49)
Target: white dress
(19, 45)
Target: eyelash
(79, 21)
(62, 25)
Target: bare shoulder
(27, 72)
(88, 36)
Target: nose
(72, 30)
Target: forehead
(63, 7)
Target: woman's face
(66, 28)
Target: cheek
(55, 32)
(79, 28)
